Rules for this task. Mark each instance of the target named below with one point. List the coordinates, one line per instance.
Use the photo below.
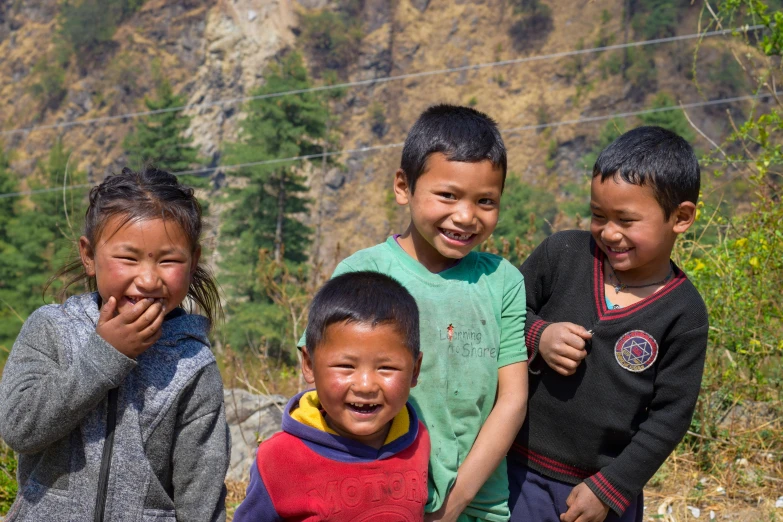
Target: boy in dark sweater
(617, 335)
(353, 448)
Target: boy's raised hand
(133, 331)
(584, 506)
(562, 345)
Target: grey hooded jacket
(170, 448)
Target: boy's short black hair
(460, 133)
(363, 297)
(654, 156)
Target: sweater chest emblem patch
(636, 351)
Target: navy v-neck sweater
(613, 423)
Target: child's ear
(416, 370)
(87, 255)
(401, 189)
(307, 366)
(684, 216)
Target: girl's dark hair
(363, 297)
(150, 193)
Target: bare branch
(697, 129)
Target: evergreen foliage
(673, 120)
(8, 485)
(50, 87)
(36, 237)
(611, 131)
(160, 138)
(89, 25)
(332, 38)
(265, 216)
(526, 211)
(533, 25)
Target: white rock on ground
(250, 418)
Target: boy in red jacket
(353, 447)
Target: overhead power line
(375, 81)
(374, 148)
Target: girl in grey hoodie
(113, 399)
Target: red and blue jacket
(306, 473)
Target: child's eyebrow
(134, 250)
(129, 248)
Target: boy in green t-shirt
(472, 393)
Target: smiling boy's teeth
(459, 237)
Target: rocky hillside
(218, 50)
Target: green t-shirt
(472, 321)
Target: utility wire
(374, 148)
(375, 81)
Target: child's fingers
(574, 511)
(569, 516)
(565, 366)
(150, 314)
(575, 342)
(107, 311)
(580, 330)
(137, 310)
(153, 329)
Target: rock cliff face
(217, 50)
(209, 50)
(239, 39)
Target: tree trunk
(280, 216)
(316, 255)
(626, 24)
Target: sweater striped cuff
(608, 493)
(533, 336)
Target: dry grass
(254, 372)
(236, 494)
(736, 488)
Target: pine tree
(289, 126)
(37, 236)
(160, 138)
(265, 213)
(9, 322)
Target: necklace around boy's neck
(619, 286)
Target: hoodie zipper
(108, 447)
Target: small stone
(251, 15)
(741, 462)
(779, 502)
(696, 512)
(720, 490)
(712, 515)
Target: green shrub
(526, 212)
(331, 38)
(49, 89)
(673, 120)
(727, 77)
(8, 486)
(378, 119)
(88, 25)
(657, 18)
(640, 71)
(533, 26)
